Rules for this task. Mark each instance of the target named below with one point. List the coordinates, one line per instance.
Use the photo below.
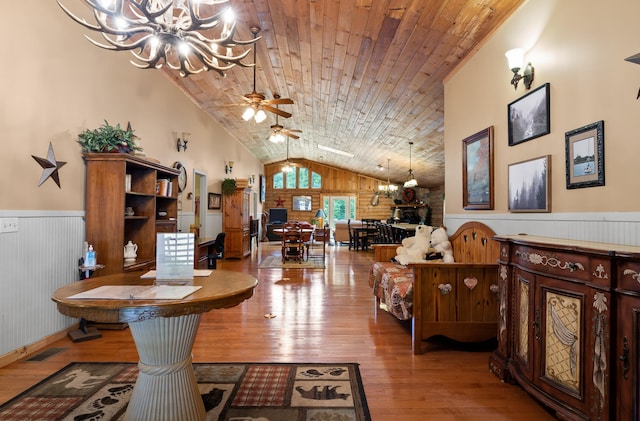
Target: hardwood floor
(323, 316)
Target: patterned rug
(230, 391)
(275, 262)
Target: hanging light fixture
(287, 166)
(411, 180)
(388, 189)
(254, 110)
(182, 34)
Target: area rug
(275, 262)
(230, 391)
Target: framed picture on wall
(263, 188)
(302, 203)
(529, 185)
(214, 201)
(584, 156)
(477, 170)
(529, 116)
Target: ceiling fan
(278, 132)
(257, 102)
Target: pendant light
(411, 180)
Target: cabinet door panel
(561, 339)
(628, 369)
(525, 322)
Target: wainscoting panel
(616, 228)
(41, 257)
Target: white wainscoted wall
(39, 258)
(610, 227)
(36, 260)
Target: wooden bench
(456, 300)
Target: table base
(166, 388)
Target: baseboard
(29, 350)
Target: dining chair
(293, 244)
(318, 242)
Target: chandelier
(388, 189)
(185, 35)
(411, 180)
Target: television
(278, 215)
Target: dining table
(163, 322)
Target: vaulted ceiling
(366, 77)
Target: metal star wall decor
(50, 167)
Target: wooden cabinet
(116, 183)
(627, 339)
(235, 223)
(559, 302)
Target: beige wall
(579, 47)
(56, 84)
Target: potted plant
(108, 138)
(228, 186)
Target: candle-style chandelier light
(388, 189)
(190, 36)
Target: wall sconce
(182, 143)
(252, 179)
(228, 167)
(515, 57)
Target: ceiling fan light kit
(257, 103)
(183, 35)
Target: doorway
(339, 208)
(200, 202)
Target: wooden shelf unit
(107, 227)
(235, 223)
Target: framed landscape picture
(263, 189)
(529, 185)
(477, 170)
(529, 116)
(584, 149)
(302, 203)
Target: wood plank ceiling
(366, 77)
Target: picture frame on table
(584, 156)
(529, 116)
(477, 171)
(302, 203)
(214, 201)
(530, 185)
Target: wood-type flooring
(311, 315)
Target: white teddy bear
(414, 249)
(440, 244)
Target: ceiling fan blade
(294, 130)
(276, 111)
(279, 101)
(291, 135)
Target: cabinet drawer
(579, 266)
(629, 276)
(166, 226)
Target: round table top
(221, 289)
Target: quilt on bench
(392, 284)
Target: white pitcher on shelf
(130, 251)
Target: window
(316, 180)
(303, 178)
(278, 180)
(290, 179)
(297, 179)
